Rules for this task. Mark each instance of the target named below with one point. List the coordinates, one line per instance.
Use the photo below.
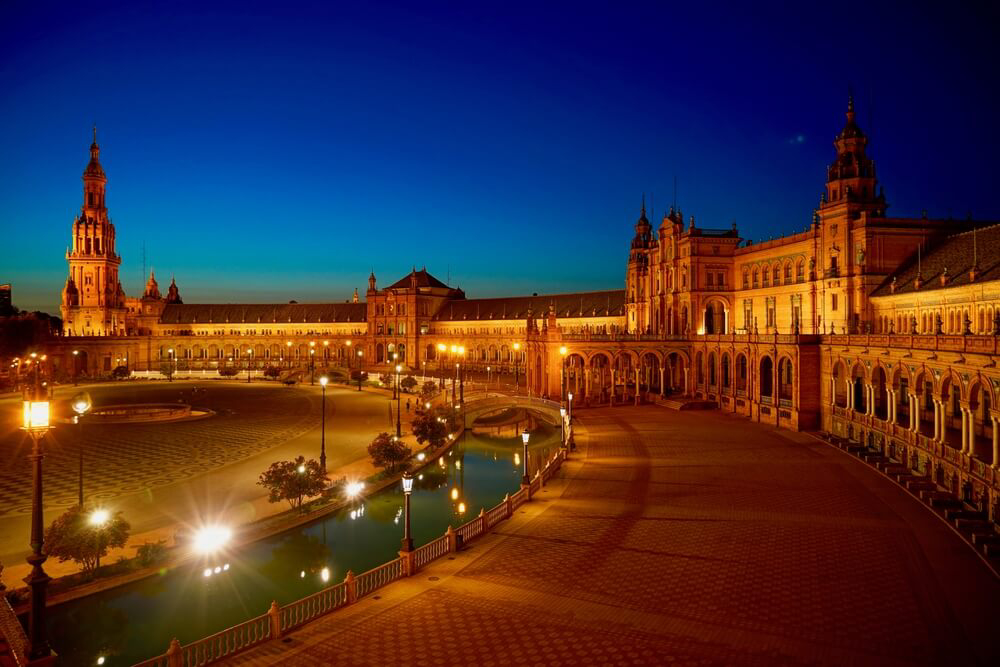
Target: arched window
(711, 369)
(756, 278)
(785, 379)
(800, 271)
(776, 271)
(741, 373)
(766, 378)
(788, 272)
(726, 376)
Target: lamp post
(312, 362)
(361, 354)
(488, 376)
(517, 353)
(461, 377)
(76, 356)
(322, 432)
(399, 432)
(81, 404)
(249, 364)
(525, 436)
(562, 374)
(569, 402)
(288, 347)
(350, 363)
(407, 489)
(395, 386)
(441, 349)
(562, 425)
(36, 424)
(173, 367)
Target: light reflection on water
(137, 621)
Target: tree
(72, 536)
(428, 391)
(272, 372)
(228, 371)
(429, 428)
(293, 481)
(121, 372)
(408, 383)
(386, 451)
(359, 376)
(167, 368)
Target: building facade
(876, 328)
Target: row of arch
(778, 273)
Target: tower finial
(95, 132)
(644, 203)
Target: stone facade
(878, 328)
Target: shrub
(151, 553)
(272, 372)
(228, 371)
(428, 390)
(429, 428)
(387, 452)
(408, 383)
(72, 537)
(357, 376)
(293, 481)
(121, 373)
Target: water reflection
(137, 621)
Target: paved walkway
(676, 538)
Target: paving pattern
(125, 458)
(681, 539)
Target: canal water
(137, 621)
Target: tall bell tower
(93, 301)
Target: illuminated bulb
(207, 572)
(218, 569)
(324, 574)
(420, 476)
(301, 469)
(353, 489)
(302, 574)
(458, 464)
(461, 508)
(100, 660)
(211, 538)
(421, 456)
(225, 567)
(454, 494)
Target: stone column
(833, 391)
(850, 396)
(586, 384)
(637, 386)
(686, 370)
(890, 398)
(663, 387)
(996, 442)
(936, 423)
(612, 394)
(965, 429)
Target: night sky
(283, 152)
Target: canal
(137, 621)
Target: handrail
(280, 620)
(13, 632)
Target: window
(833, 302)
(777, 274)
(711, 279)
(766, 282)
(756, 281)
(800, 271)
(788, 272)
(746, 279)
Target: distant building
(877, 328)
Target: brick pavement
(685, 539)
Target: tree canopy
(293, 481)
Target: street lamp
(249, 364)
(407, 488)
(288, 345)
(488, 376)
(173, 367)
(517, 353)
(562, 378)
(322, 437)
(312, 362)
(395, 387)
(81, 405)
(349, 360)
(562, 425)
(525, 436)
(441, 349)
(398, 425)
(569, 402)
(361, 354)
(76, 355)
(36, 423)
(461, 376)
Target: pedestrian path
(686, 539)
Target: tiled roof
(954, 253)
(581, 304)
(262, 312)
(424, 279)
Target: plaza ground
(685, 538)
(167, 477)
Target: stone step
(992, 550)
(920, 484)
(984, 538)
(955, 513)
(944, 501)
(967, 525)
(895, 470)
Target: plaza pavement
(167, 477)
(684, 538)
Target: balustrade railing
(304, 610)
(280, 620)
(12, 632)
(378, 577)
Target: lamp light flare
(99, 517)
(353, 489)
(210, 539)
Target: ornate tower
(637, 275)
(846, 211)
(93, 300)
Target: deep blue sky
(282, 152)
